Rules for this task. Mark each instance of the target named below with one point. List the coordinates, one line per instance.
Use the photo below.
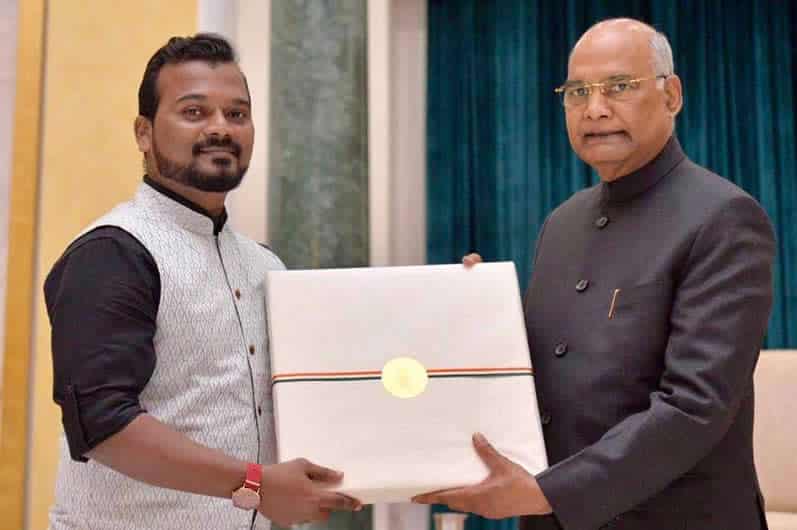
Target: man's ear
(142, 128)
(674, 94)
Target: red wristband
(254, 476)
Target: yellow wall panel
(95, 56)
(20, 280)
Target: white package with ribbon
(385, 374)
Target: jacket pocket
(635, 332)
(646, 297)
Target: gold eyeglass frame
(601, 85)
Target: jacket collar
(210, 223)
(637, 182)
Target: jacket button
(560, 349)
(252, 349)
(259, 411)
(601, 221)
(545, 419)
(237, 294)
(582, 285)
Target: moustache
(224, 142)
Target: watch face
(246, 499)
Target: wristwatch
(247, 497)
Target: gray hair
(662, 54)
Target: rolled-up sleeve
(102, 300)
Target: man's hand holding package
(296, 492)
(509, 490)
(471, 259)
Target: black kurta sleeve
(102, 299)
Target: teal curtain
(477, 523)
(498, 157)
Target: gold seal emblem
(404, 377)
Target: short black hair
(207, 47)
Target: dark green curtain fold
(498, 158)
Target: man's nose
(217, 124)
(597, 106)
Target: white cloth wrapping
(324, 324)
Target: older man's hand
(471, 259)
(509, 490)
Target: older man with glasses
(645, 314)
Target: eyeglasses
(617, 88)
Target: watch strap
(254, 477)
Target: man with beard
(159, 335)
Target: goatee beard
(220, 181)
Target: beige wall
(397, 131)
(247, 24)
(397, 163)
(247, 204)
(95, 55)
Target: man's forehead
(175, 81)
(601, 54)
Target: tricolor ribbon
(375, 375)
